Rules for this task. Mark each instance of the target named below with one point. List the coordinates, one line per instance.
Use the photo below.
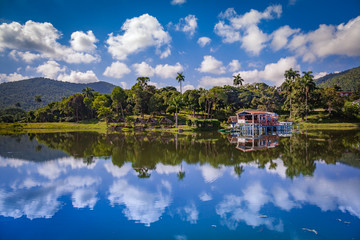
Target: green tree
(118, 97)
(102, 104)
(143, 81)
(77, 105)
(290, 76)
(176, 102)
(332, 100)
(308, 81)
(88, 92)
(38, 99)
(180, 78)
(238, 80)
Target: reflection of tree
(89, 160)
(143, 172)
(238, 170)
(38, 148)
(299, 152)
(181, 173)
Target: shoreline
(101, 127)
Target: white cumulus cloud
(203, 41)
(234, 65)
(25, 56)
(83, 42)
(208, 81)
(162, 71)
(211, 65)
(116, 70)
(243, 28)
(273, 72)
(50, 69)
(280, 37)
(320, 74)
(139, 33)
(41, 38)
(12, 77)
(327, 40)
(79, 77)
(187, 25)
(178, 2)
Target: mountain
(24, 91)
(348, 80)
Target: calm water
(162, 186)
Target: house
(254, 117)
(345, 93)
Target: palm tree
(176, 102)
(88, 92)
(38, 99)
(181, 174)
(308, 81)
(290, 76)
(180, 78)
(238, 80)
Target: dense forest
(348, 80)
(23, 92)
(295, 99)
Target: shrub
(189, 122)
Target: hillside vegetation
(49, 90)
(348, 80)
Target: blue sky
(209, 41)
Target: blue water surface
(63, 196)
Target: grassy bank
(66, 127)
(329, 126)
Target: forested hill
(348, 80)
(24, 91)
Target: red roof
(253, 112)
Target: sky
(209, 41)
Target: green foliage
(24, 91)
(204, 124)
(180, 78)
(332, 100)
(11, 115)
(298, 95)
(352, 110)
(238, 80)
(118, 97)
(348, 80)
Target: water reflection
(186, 179)
(254, 143)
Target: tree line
(296, 98)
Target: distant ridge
(348, 80)
(24, 91)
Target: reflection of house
(247, 144)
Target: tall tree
(88, 92)
(238, 80)
(308, 81)
(290, 76)
(332, 100)
(143, 81)
(118, 97)
(180, 78)
(176, 102)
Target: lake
(83, 185)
